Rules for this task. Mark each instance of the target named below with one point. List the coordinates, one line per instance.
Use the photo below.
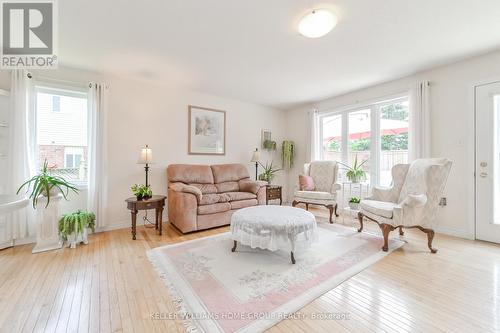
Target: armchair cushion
(380, 208)
(315, 195)
(306, 183)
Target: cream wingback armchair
(324, 175)
(411, 202)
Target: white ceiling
(250, 49)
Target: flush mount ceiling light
(317, 23)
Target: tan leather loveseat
(203, 196)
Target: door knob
(483, 174)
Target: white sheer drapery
(97, 192)
(314, 145)
(22, 149)
(420, 121)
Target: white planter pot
(354, 206)
(75, 238)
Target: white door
(488, 162)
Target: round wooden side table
(156, 202)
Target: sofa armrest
(181, 187)
(182, 210)
(252, 186)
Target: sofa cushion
(206, 188)
(315, 195)
(190, 173)
(380, 208)
(211, 198)
(229, 172)
(235, 196)
(214, 208)
(243, 203)
(227, 187)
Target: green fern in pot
(76, 223)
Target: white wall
(452, 129)
(143, 113)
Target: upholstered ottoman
(273, 227)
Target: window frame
(78, 91)
(375, 131)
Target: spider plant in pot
(46, 185)
(355, 173)
(354, 203)
(142, 191)
(269, 172)
(73, 227)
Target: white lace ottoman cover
(274, 227)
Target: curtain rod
(76, 83)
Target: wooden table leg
(292, 257)
(160, 222)
(156, 218)
(134, 220)
(234, 246)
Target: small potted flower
(142, 192)
(354, 203)
(73, 228)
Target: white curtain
(22, 149)
(420, 121)
(97, 190)
(313, 147)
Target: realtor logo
(28, 34)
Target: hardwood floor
(109, 286)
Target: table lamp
(146, 158)
(256, 159)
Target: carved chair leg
(360, 218)
(307, 206)
(430, 237)
(401, 232)
(386, 229)
(330, 208)
(336, 206)
(294, 203)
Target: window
(56, 103)
(61, 120)
(377, 133)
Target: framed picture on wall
(207, 131)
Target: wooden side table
(156, 202)
(273, 192)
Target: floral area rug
(250, 290)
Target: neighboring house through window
(377, 132)
(62, 131)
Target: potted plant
(269, 145)
(269, 172)
(44, 184)
(287, 154)
(354, 203)
(73, 228)
(142, 191)
(355, 173)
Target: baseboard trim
(453, 232)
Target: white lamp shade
(317, 23)
(146, 156)
(255, 156)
